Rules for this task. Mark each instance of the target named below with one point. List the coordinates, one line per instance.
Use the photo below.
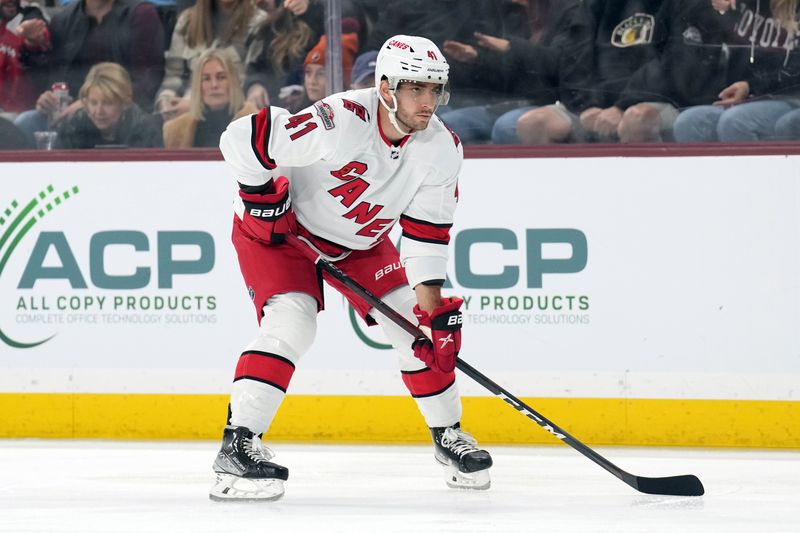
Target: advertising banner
(582, 277)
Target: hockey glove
(443, 325)
(268, 211)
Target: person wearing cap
(295, 97)
(314, 79)
(364, 70)
(340, 174)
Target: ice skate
(465, 466)
(244, 471)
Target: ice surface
(99, 486)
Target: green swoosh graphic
(28, 208)
(20, 235)
(15, 242)
(8, 211)
(16, 344)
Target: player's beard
(412, 122)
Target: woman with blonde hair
(216, 99)
(108, 116)
(207, 24)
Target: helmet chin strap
(393, 113)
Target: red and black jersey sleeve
(424, 231)
(261, 124)
(426, 225)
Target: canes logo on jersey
(325, 112)
(634, 31)
(355, 186)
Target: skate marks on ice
(96, 486)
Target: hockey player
(340, 174)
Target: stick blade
(687, 485)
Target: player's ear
(385, 94)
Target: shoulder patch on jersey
(358, 110)
(325, 112)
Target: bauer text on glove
(268, 214)
(444, 326)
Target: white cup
(45, 139)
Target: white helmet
(407, 57)
(411, 58)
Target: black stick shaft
(678, 485)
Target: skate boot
(243, 470)
(466, 466)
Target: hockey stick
(685, 485)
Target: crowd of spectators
(152, 73)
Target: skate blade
(235, 488)
(456, 479)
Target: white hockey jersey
(349, 184)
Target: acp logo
(527, 270)
(536, 264)
(15, 222)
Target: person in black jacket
(87, 32)
(127, 32)
(531, 63)
(109, 117)
(762, 36)
(450, 20)
(649, 58)
(487, 60)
